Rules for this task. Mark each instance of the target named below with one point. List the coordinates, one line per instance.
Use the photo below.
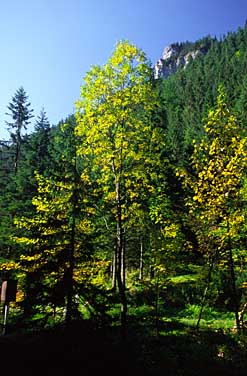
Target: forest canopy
(135, 203)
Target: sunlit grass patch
(211, 318)
(184, 278)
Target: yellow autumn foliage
(219, 162)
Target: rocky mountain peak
(179, 55)
(170, 51)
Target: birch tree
(114, 116)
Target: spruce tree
(40, 143)
(20, 112)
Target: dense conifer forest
(123, 226)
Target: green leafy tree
(219, 165)
(114, 117)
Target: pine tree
(20, 112)
(54, 243)
(39, 143)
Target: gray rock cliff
(175, 56)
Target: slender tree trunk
(18, 150)
(120, 249)
(241, 315)
(123, 262)
(234, 290)
(153, 255)
(157, 298)
(69, 279)
(141, 265)
(114, 269)
(205, 292)
(233, 280)
(121, 265)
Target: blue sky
(47, 46)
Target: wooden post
(5, 318)
(8, 294)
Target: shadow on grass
(179, 349)
(80, 349)
(83, 349)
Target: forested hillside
(131, 213)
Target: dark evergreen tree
(20, 112)
(39, 156)
(35, 158)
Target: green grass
(184, 278)
(168, 346)
(211, 318)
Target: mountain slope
(187, 94)
(179, 55)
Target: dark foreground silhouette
(75, 350)
(83, 350)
